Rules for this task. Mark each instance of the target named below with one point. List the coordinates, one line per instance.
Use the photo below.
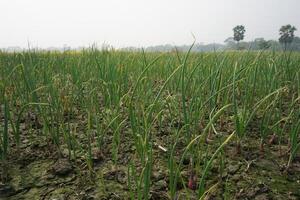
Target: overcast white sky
(121, 23)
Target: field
(133, 125)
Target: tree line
(286, 39)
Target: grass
(84, 101)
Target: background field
(116, 125)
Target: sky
(140, 23)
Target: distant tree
(262, 43)
(274, 45)
(229, 40)
(239, 33)
(230, 43)
(296, 43)
(286, 35)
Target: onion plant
(90, 99)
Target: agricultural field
(134, 125)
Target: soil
(38, 170)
